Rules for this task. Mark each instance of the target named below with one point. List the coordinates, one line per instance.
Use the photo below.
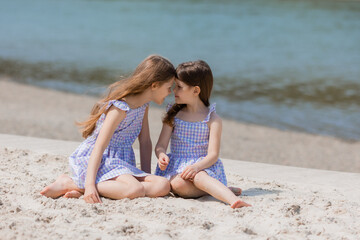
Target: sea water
(286, 64)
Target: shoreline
(46, 113)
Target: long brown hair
(196, 73)
(153, 69)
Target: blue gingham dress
(189, 144)
(118, 158)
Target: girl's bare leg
(123, 186)
(185, 188)
(61, 186)
(155, 186)
(218, 190)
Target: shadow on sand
(258, 191)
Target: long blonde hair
(153, 69)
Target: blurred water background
(289, 64)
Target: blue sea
(288, 64)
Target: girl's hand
(189, 172)
(163, 161)
(91, 195)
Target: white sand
(282, 209)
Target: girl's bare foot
(61, 186)
(239, 204)
(73, 194)
(237, 191)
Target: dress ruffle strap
(212, 109)
(119, 104)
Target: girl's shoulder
(212, 115)
(122, 105)
(215, 118)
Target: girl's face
(161, 92)
(183, 92)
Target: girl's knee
(135, 191)
(200, 176)
(181, 188)
(178, 184)
(164, 186)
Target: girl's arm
(145, 144)
(215, 126)
(113, 118)
(162, 145)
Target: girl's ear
(197, 90)
(155, 85)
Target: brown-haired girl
(104, 164)
(194, 128)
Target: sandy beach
(297, 204)
(301, 186)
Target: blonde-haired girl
(104, 164)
